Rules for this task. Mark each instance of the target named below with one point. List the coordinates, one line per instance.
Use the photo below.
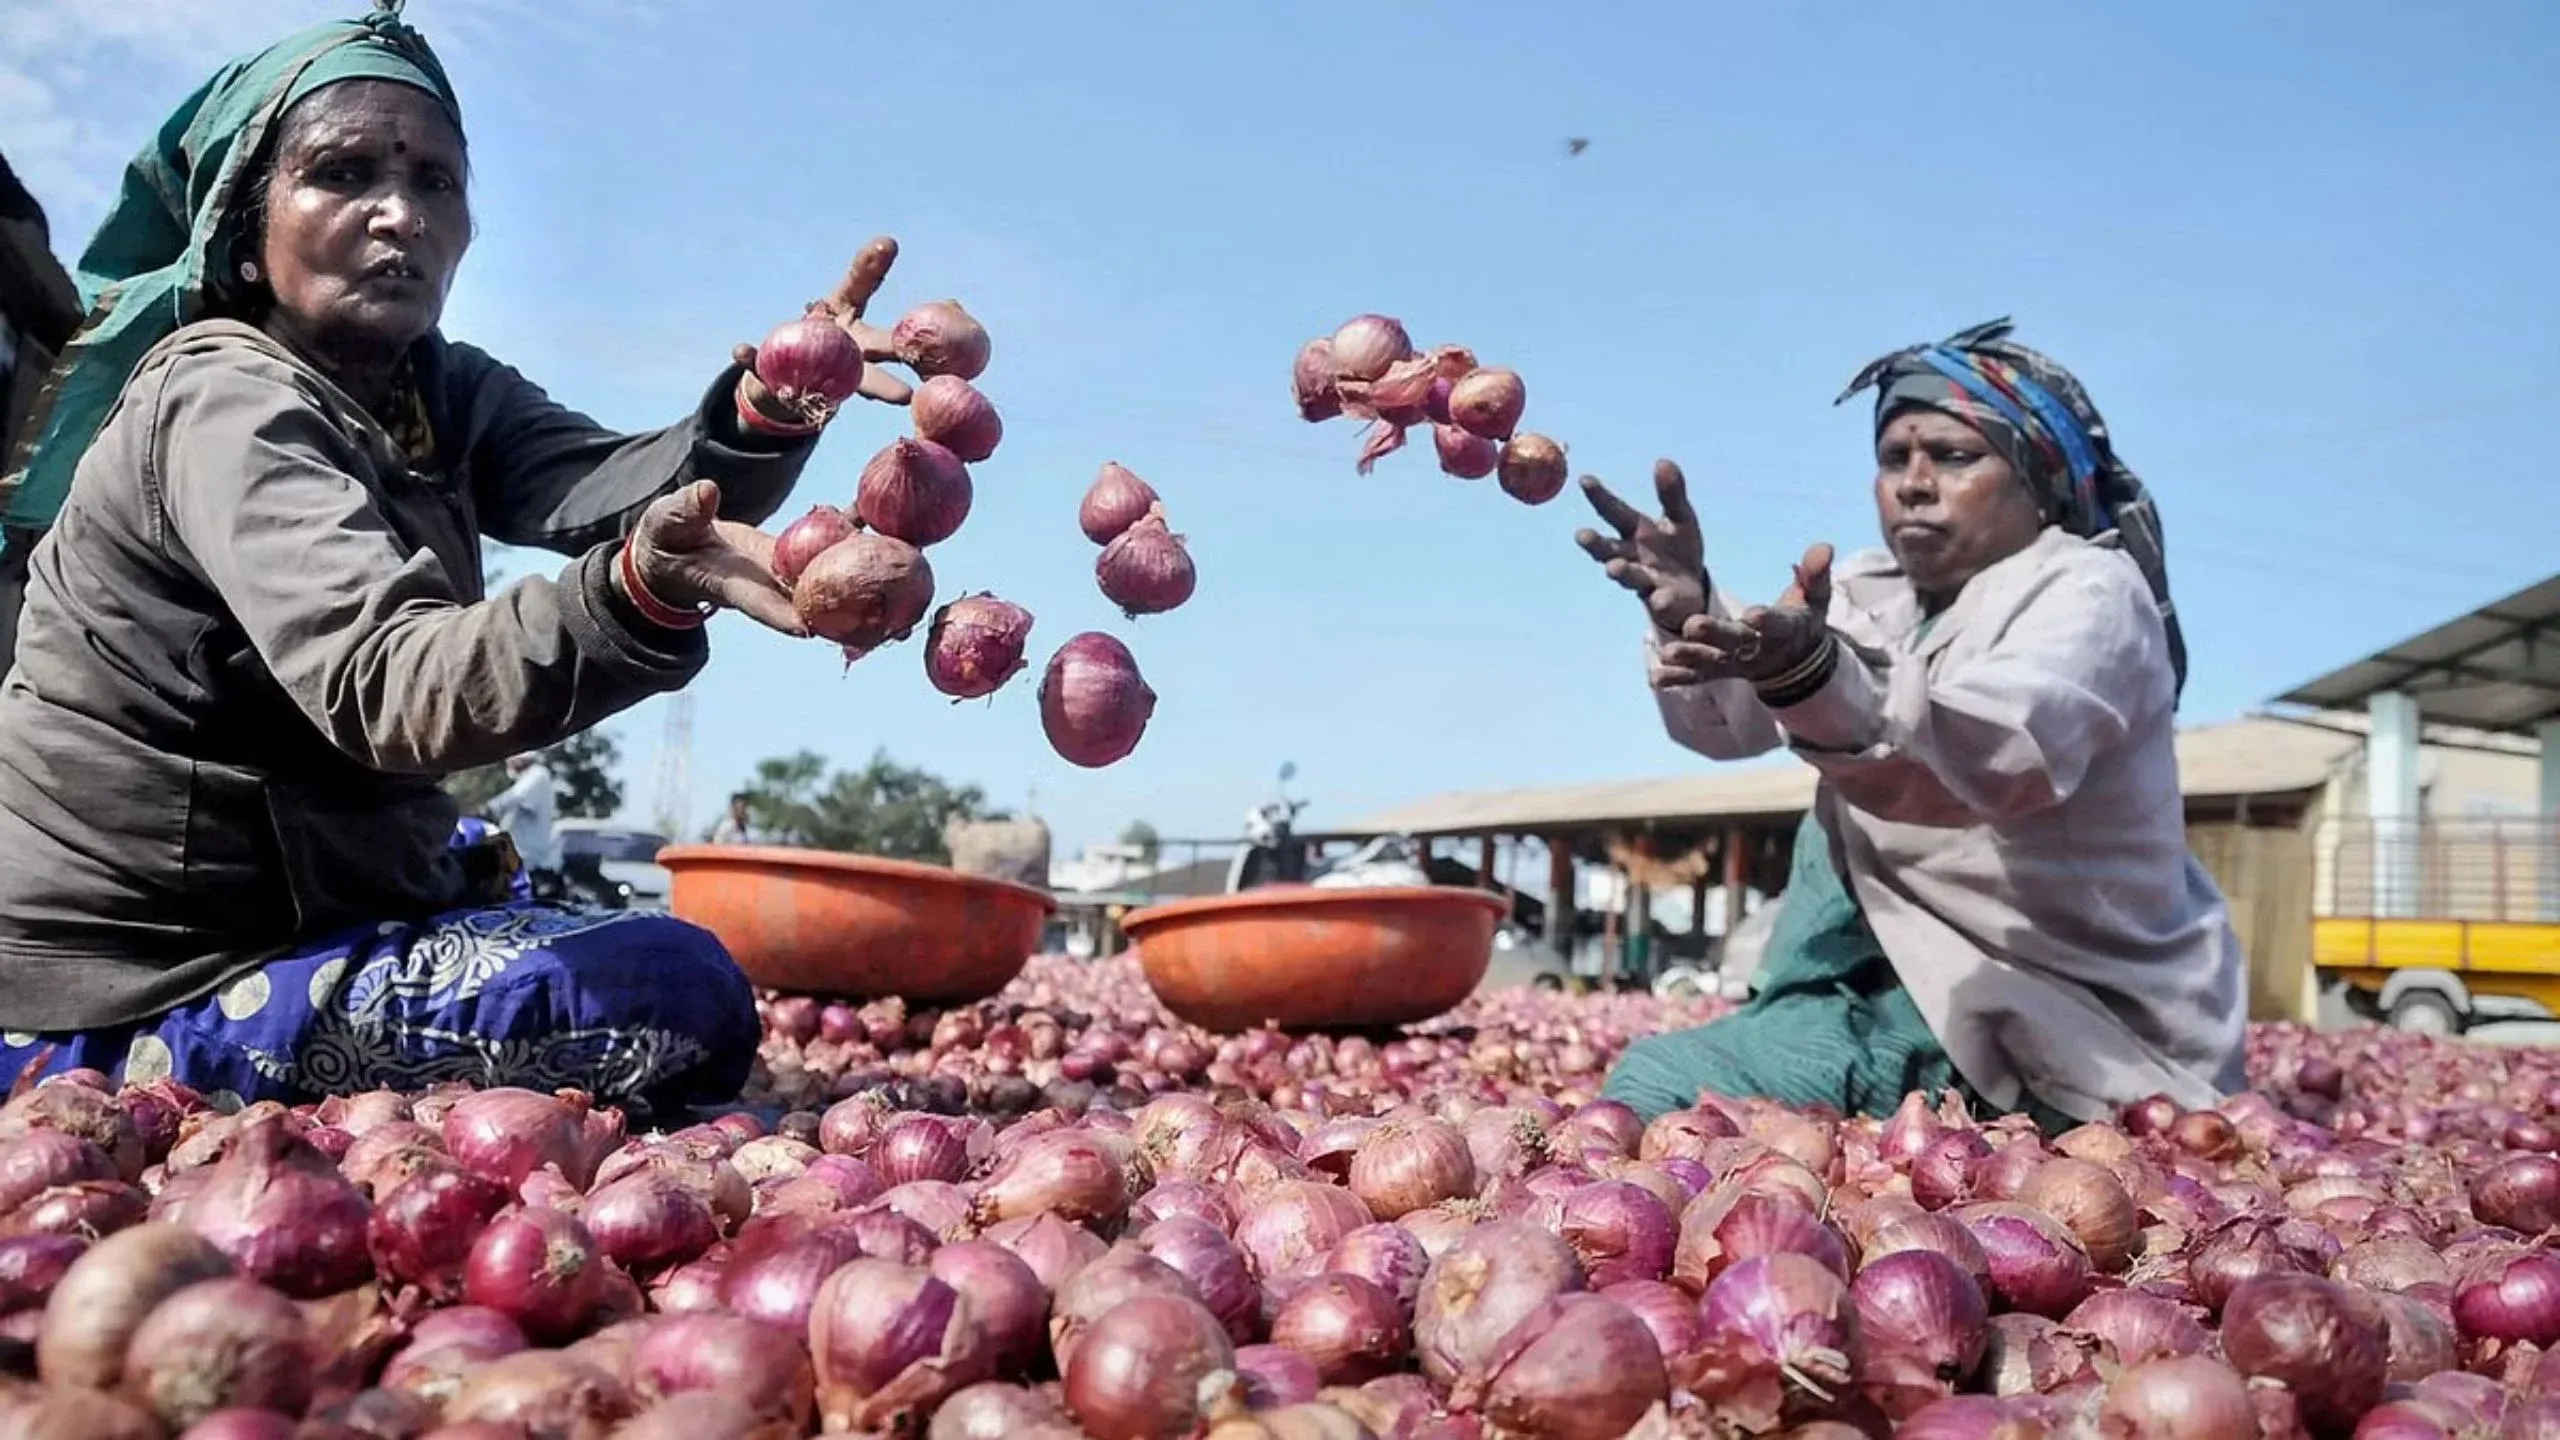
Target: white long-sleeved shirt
(525, 810)
(2003, 793)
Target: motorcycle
(1273, 855)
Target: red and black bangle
(652, 609)
(754, 419)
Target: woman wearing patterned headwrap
(256, 637)
(1993, 892)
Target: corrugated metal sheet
(2244, 757)
(2497, 668)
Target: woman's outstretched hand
(1662, 559)
(845, 305)
(687, 557)
(1762, 644)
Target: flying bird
(1576, 145)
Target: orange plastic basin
(829, 924)
(1303, 958)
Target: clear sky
(2302, 255)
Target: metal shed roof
(2496, 669)
(2254, 757)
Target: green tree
(583, 766)
(884, 808)
(1143, 837)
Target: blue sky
(2302, 256)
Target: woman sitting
(256, 637)
(1993, 891)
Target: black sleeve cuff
(611, 630)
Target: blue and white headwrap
(2038, 417)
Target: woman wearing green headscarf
(256, 638)
(1993, 892)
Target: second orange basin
(1304, 958)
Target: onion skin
(914, 490)
(1311, 382)
(2092, 1204)
(1352, 1330)
(1403, 1166)
(2135, 1327)
(1779, 1327)
(1153, 1369)
(78, 1111)
(940, 338)
(1006, 1296)
(975, 646)
(2182, 1397)
(1275, 1375)
(2315, 1337)
(2036, 1264)
(952, 413)
(1065, 1172)
(1579, 1367)
(890, 1341)
(865, 591)
(1620, 1231)
(541, 1392)
(1366, 345)
(1923, 1323)
(1094, 705)
(734, 1356)
(1532, 468)
(61, 1412)
(106, 1295)
(217, 1345)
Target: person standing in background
(732, 829)
(39, 310)
(525, 810)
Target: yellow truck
(2444, 924)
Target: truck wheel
(2425, 1012)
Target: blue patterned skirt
(637, 1008)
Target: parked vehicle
(613, 865)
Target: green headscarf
(150, 268)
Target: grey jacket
(2003, 795)
(256, 639)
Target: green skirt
(1828, 1022)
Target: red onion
(284, 1215)
(2179, 1397)
(1922, 1321)
(914, 490)
(1006, 1297)
(1532, 468)
(951, 412)
(648, 1220)
(2521, 1192)
(421, 1232)
(1685, 1134)
(811, 365)
(1777, 1325)
(2417, 1338)
(2206, 1134)
(747, 1361)
(2003, 1174)
(1127, 1270)
(2092, 1204)
(57, 1412)
(31, 1265)
(1202, 1254)
(920, 1147)
(507, 1134)
(1182, 1197)
(850, 1127)
(937, 1206)
(1351, 1329)
(1405, 1165)
(243, 1425)
(83, 1207)
(80, 1112)
(1094, 706)
(1153, 1369)
(864, 591)
(1727, 1225)
(1146, 569)
(1488, 403)
(538, 1392)
(1580, 1367)
(2313, 1336)
(1052, 1248)
(1943, 1173)
(1367, 345)
(975, 646)
(1465, 456)
(1273, 1376)
(1293, 1226)
(1311, 382)
(216, 1345)
(1484, 1285)
(2036, 1265)
(776, 1280)
(539, 1268)
(1387, 1256)
(1620, 1231)
(1943, 1234)
(2237, 1252)
(1000, 1412)
(2135, 1327)
(1067, 1173)
(890, 1341)
(803, 539)
(2391, 1263)
(90, 1318)
(2512, 1297)
(1116, 500)
(695, 1415)
(41, 1159)
(940, 338)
